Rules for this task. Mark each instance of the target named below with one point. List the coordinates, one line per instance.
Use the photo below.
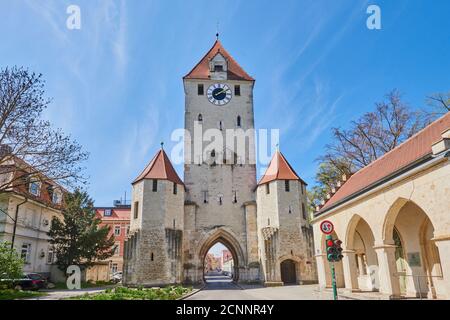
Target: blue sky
(116, 83)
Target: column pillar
(360, 264)
(350, 270)
(442, 285)
(321, 273)
(389, 281)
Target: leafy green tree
(78, 238)
(11, 263)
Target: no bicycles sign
(327, 227)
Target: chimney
(443, 144)
(5, 150)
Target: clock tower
(220, 169)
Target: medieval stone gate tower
(174, 224)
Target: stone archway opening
(219, 264)
(360, 243)
(228, 240)
(417, 257)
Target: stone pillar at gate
(350, 270)
(321, 273)
(389, 281)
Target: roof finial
(217, 31)
(162, 145)
(278, 147)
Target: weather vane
(217, 30)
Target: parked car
(22, 283)
(116, 277)
(38, 280)
(30, 281)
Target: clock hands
(220, 92)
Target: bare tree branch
(29, 145)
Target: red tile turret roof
(279, 169)
(201, 70)
(160, 168)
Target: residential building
(32, 204)
(117, 218)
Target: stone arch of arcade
(410, 230)
(360, 258)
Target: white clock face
(219, 94)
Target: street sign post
(333, 251)
(331, 257)
(327, 227)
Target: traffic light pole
(333, 281)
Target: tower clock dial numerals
(219, 94)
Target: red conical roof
(201, 70)
(279, 169)
(160, 168)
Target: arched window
(238, 121)
(200, 118)
(213, 153)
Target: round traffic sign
(327, 227)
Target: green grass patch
(17, 294)
(122, 293)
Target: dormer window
(56, 196)
(218, 68)
(35, 187)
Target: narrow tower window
(235, 197)
(237, 90)
(287, 187)
(200, 118)
(267, 188)
(200, 90)
(238, 122)
(136, 209)
(155, 185)
(205, 196)
(175, 188)
(213, 153)
(152, 257)
(220, 126)
(304, 211)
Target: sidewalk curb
(187, 295)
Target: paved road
(219, 287)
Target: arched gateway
(230, 242)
